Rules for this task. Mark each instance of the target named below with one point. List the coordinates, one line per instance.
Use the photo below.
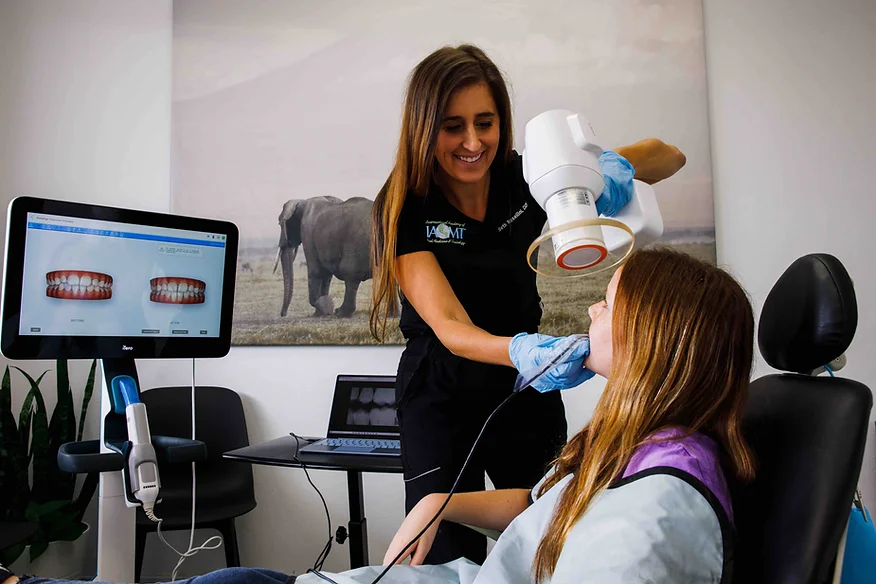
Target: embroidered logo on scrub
(445, 232)
(514, 217)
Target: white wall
(85, 115)
(791, 97)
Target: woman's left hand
(617, 172)
(420, 515)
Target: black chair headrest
(810, 316)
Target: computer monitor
(87, 281)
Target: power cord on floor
(151, 515)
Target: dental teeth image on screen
(384, 396)
(383, 413)
(366, 395)
(359, 417)
(177, 290)
(79, 285)
(382, 417)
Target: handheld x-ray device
(561, 166)
(90, 282)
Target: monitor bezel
(26, 347)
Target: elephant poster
(286, 117)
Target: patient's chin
(597, 365)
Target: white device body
(561, 166)
(142, 463)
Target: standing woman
(451, 227)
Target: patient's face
(599, 360)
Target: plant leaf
(11, 554)
(63, 423)
(32, 512)
(38, 548)
(62, 429)
(50, 507)
(6, 392)
(13, 458)
(40, 447)
(27, 406)
(24, 417)
(86, 398)
(71, 533)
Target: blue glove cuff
(618, 174)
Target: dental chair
(808, 433)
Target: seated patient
(639, 494)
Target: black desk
(283, 451)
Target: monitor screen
(88, 281)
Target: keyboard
(361, 442)
(379, 446)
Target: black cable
(323, 576)
(323, 555)
(449, 495)
(443, 505)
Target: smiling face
(599, 360)
(468, 136)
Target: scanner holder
(108, 455)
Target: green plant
(32, 487)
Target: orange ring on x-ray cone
(585, 271)
(561, 261)
(177, 290)
(79, 285)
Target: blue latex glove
(618, 174)
(531, 350)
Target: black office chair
(808, 433)
(224, 488)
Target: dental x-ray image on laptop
(363, 419)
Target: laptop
(363, 419)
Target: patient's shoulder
(691, 456)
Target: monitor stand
(116, 520)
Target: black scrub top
(484, 262)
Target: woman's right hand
(530, 351)
(420, 515)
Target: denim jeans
(224, 576)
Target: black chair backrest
(219, 421)
(808, 433)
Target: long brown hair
(429, 89)
(682, 342)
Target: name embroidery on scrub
(513, 217)
(445, 232)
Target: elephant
(336, 236)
